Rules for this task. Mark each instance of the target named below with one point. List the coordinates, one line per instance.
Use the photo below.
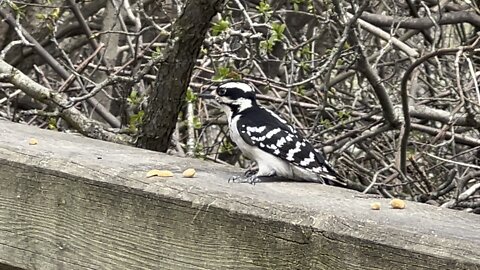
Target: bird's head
(235, 97)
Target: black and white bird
(264, 137)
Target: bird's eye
(221, 91)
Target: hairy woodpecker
(263, 136)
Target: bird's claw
(233, 178)
(252, 179)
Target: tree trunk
(174, 73)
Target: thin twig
(404, 98)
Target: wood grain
(75, 203)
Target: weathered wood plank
(76, 203)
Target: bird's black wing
(264, 129)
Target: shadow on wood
(75, 203)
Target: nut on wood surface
(189, 173)
(398, 204)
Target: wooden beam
(75, 203)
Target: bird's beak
(206, 96)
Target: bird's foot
(251, 177)
(234, 178)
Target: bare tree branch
(404, 97)
(55, 65)
(387, 37)
(57, 101)
(383, 97)
(423, 23)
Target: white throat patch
(243, 103)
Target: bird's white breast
(267, 162)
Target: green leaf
(305, 66)
(52, 123)
(305, 51)
(190, 95)
(343, 115)
(133, 98)
(199, 151)
(326, 123)
(197, 123)
(222, 73)
(220, 27)
(310, 6)
(227, 147)
(278, 30)
(157, 53)
(19, 10)
(264, 8)
(135, 121)
(55, 14)
(267, 45)
(41, 16)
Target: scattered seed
(161, 173)
(398, 204)
(189, 173)
(33, 141)
(375, 206)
